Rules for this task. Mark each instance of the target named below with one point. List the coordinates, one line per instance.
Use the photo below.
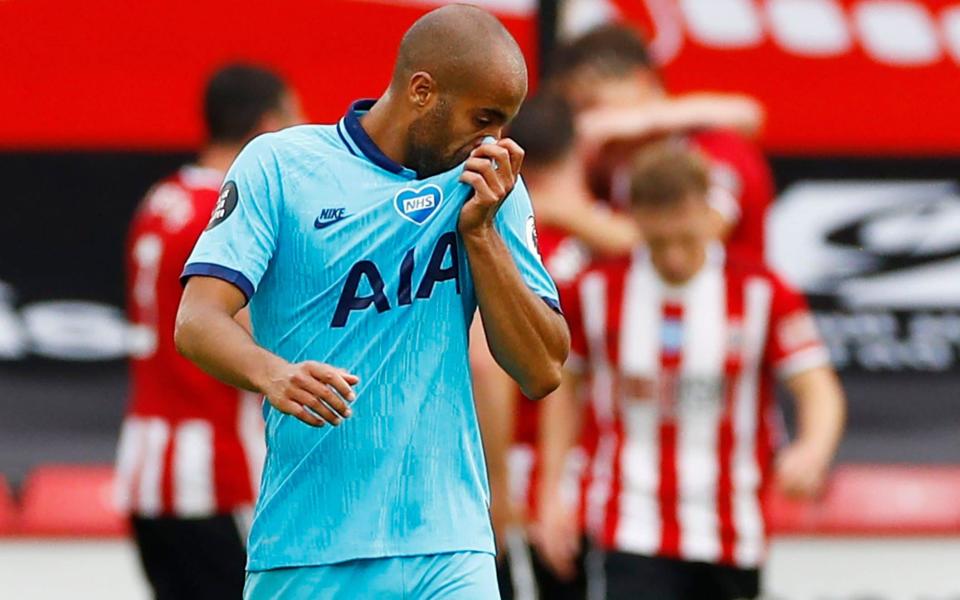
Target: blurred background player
(570, 228)
(191, 448)
(610, 79)
(680, 347)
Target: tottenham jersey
(347, 258)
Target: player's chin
(440, 167)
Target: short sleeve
(240, 238)
(794, 344)
(572, 312)
(516, 225)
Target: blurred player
(680, 346)
(191, 448)
(572, 227)
(609, 77)
(364, 249)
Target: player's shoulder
(564, 256)
(743, 265)
(727, 145)
(174, 189)
(291, 154)
(719, 138)
(172, 204)
(195, 178)
(292, 141)
(609, 268)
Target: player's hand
(313, 392)
(801, 470)
(557, 538)
(491, 184)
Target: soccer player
(191, 448)
(622, 104)
(363, 249)
(680, 345)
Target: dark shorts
(636, 577)
(192, 558)
(522, 574)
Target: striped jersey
(681, 390)
(190, 446)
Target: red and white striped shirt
(681, 389)
(190, 445)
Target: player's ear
(422, 90)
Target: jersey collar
(357, 139)
(716, 259)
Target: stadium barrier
(860, 500)
(7, 508)
(69, 501)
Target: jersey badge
(417, 205)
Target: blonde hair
(664, 174)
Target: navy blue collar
(359, 136)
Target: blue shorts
(454, 576)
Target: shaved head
(459, 76)
(460, 46)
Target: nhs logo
(416, 205)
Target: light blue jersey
(348, 259)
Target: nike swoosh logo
(324, 224)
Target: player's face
(677, 238)
(444, 136)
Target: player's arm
(527, 337)
(208, 334)
(557, 536)
(604, 232)
(692, 111)
(243, 317)
(798, 356)
(821, 411)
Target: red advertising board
(128, 75)
(854, 77)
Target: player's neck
(386, 129)
(681, 282)
(218, 157)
